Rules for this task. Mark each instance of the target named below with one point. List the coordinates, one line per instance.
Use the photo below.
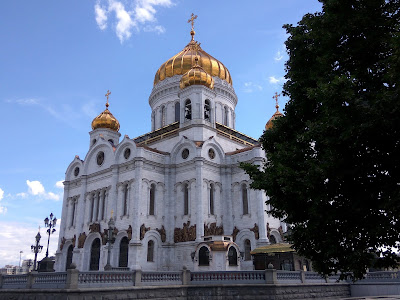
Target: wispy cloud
(36, 188)
(278, 56)
(3, 209)
(137, 16)
(250, 87)
(276, 80)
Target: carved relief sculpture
(81, 240)
(129, 232)
(235, 233)
(213, 229)
(73, 240)
(95, 227)
(143, 230)
(162, 233)
(63, 240)
(187, 233)
(268, 231)
(255, 230)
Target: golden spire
(107, 95)
(191, 20)
(276, 100)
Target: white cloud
(250, 87)
(14, 240)
(22, 195)
(60, 184)
(142, 12)
(275, 80)
(36, 188)
(1, 194)
(101, 17)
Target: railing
(96, 279)
(227, 277)
(73, 279)
(161, 278)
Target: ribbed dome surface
(196, 76)
(105, 120)
(184, 60)
(270, 122)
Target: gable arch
(176, 151)
(76, 162)
(120, 151)
(109, 156)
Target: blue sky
(58, 59)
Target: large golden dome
(196, 76)
(182, 62)
(106, 119)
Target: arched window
(207, 111)
(226, 116)
(204, 256)
(245, 200)
(95, 255)
(152, 199)
(125, 207)
(69, 257)
(272, 239)
(73, 212)
(162, 116)
(188, 110)
(150, 251)
(232, 256)
(212, 190)
(123, 252)
(185, 199)
(177, 112)
(247, 250)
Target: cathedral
(174, 197)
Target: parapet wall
(194, 292)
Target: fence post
(138, 277)
(72, 279)
(270, 276)
(30, 280)
(302, 276)
(185, 276)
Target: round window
(127, 153)
(100, 158)
(76, 171)
(185, 153)
(211, 153)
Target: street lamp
(50, 223)
(36, 249)
(110, 240)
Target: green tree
(333, 169)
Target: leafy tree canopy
(333, 169)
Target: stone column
(136, 200)
(170, 179)
(227, 199)
(199, 199)
(96, 206)
(262, 230)
(113, 194)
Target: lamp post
(110, 241)
(36, 249)
(50, 223)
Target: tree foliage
(333, 169)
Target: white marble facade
(172, 191)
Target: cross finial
(191, 20)
(107, 95)
(276, 96)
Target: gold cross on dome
(276, 99)
(191, 20)
(107, 95)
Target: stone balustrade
(73, 279)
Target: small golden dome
(106, 119)
(276, 115)
(184, 60)
(270, 122)
(196, 76)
